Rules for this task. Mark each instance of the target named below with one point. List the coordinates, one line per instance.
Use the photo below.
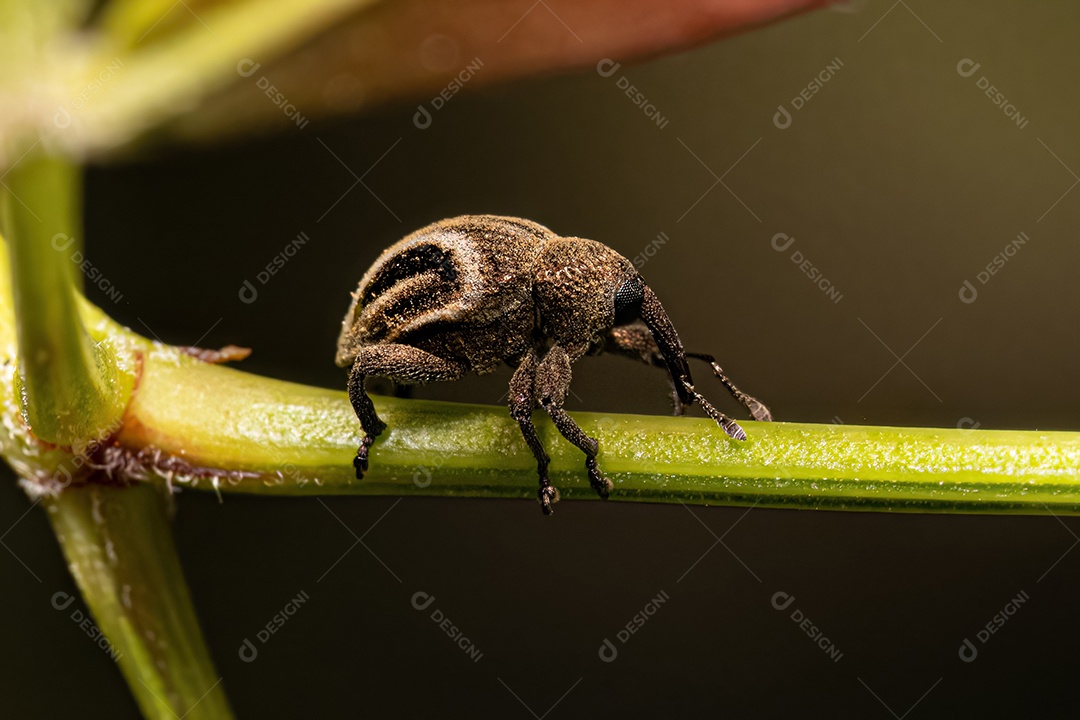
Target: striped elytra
(456, 276)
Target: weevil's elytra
(468, 293)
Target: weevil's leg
(552, 383)
(402, 363)
(365, 411)
(522, 401)
(407, 365)
(757, 409)
(728, 425)
(636, 342)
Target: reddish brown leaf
(412, 49)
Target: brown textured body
(468, 293)
(482, 289)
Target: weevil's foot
(727, 424)
(732, 428)
(599, 483)
(360, 462)
(758, 411)
(548, 496)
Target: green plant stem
(119, 548)
(271, 437)
(70, 388)
(216, 428)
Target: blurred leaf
(91, 89)
(89, 84)
(413, 49)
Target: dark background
(899, 180)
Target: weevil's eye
(628, 300)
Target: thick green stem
(240, 433)
(120, 549)
(70, 388)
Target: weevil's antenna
(757, 409)
(659, 324)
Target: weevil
(469, 293)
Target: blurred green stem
(119, 547)
(69, 387)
